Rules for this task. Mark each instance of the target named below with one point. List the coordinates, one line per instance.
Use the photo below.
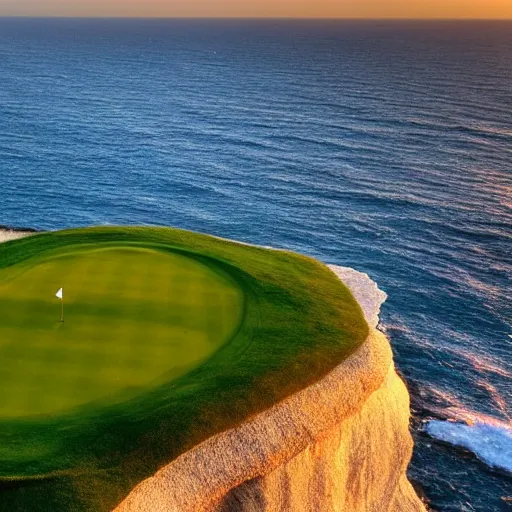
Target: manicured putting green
(134, 318)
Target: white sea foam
(489, 439)
(7, 234)
(365, 291)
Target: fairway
(133, 319)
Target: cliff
(342, 444)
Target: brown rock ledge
(342, 444)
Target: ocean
(382, 146)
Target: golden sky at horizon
(262, 8)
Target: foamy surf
(9, 234)
(487, 438)
(365, 291)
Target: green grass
(133, 318)
(169, 338)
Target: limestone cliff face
(342, 444)
(359, 465)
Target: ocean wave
(7, 233)
(487, 438)
(365, 291)
(481, 362)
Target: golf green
(133, 318)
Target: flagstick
(60, 295)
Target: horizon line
(288, 18)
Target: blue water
(383, 146)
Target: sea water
(382, 146)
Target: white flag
(59, 294)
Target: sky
(262, 8)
